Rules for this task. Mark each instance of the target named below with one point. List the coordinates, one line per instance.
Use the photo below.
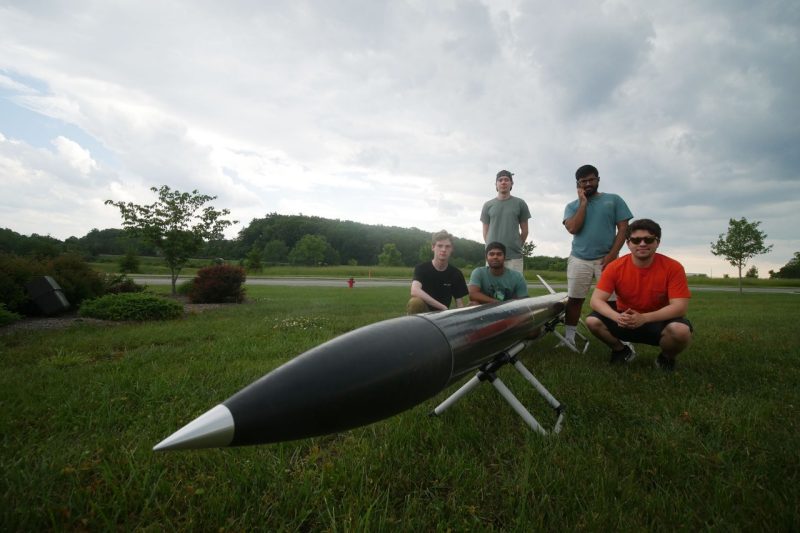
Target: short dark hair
(644, 224)
(494, 245)
(586, 170)
(505, 173)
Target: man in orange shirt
(652, 300)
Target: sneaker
(566, 344)
(622, 356)
(665, 363)
(632, 356)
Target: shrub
(185, 287)
(76, 278)
(129, 262)
(7, 317)
(120, 284)
(15, 273)
(218, 284)
(131, 306)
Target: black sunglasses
(647, 240)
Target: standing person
(652, 300)
(598, 222)
(494, 282)
(505, 220)
(437, 282)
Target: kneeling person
(436, 282)
(652, 299)
(494, 282)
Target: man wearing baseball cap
(505, 220)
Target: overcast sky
(401, 113)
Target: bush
(131, 306)
(15, 273)
(129, 262)
(76, 278)
(7, 317)
(121, 284)
(185, 287)
(218, 284)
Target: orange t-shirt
(644, 289)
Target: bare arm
(599, 303)
(485, 232)
(575, 222)
(475, 295)
(619, 240)
(416, 290)
(523, 232)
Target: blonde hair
(441, 236)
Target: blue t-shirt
(599, 230)
(506, 287)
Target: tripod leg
(517, 406)
(457, 395)
(555, 404)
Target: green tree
(390, 256)
(527, 249)
(789, 270)
(742, 242)
(177, 225)
(752, 272)
(253, 260)
(309, 250)
(424, 252)
(129, 262)
(275, 251)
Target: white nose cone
(214, 429)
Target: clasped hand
(630, 319)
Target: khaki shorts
(580, 273)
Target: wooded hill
(274, 238)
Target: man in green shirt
(505, 220)
(494, 282)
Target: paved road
(361, 282)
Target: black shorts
(650, 333)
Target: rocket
(368, 374)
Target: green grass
(714, 446)
(155, 266)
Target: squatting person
(494, 282)
(652, 300)
(437, 282)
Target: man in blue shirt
(598, 222)
(494, 282)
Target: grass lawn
(715, 445)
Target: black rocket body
(367, 374)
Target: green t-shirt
(506, 287)
(504, 218)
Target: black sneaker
(665, 363)
(622, 356)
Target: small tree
(309, 250)
(275, 251)
(752, 272)
(253, 260)
(176, 225)
(129, 263)
(390, 256)
(742, 242)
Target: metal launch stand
(488, 372)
